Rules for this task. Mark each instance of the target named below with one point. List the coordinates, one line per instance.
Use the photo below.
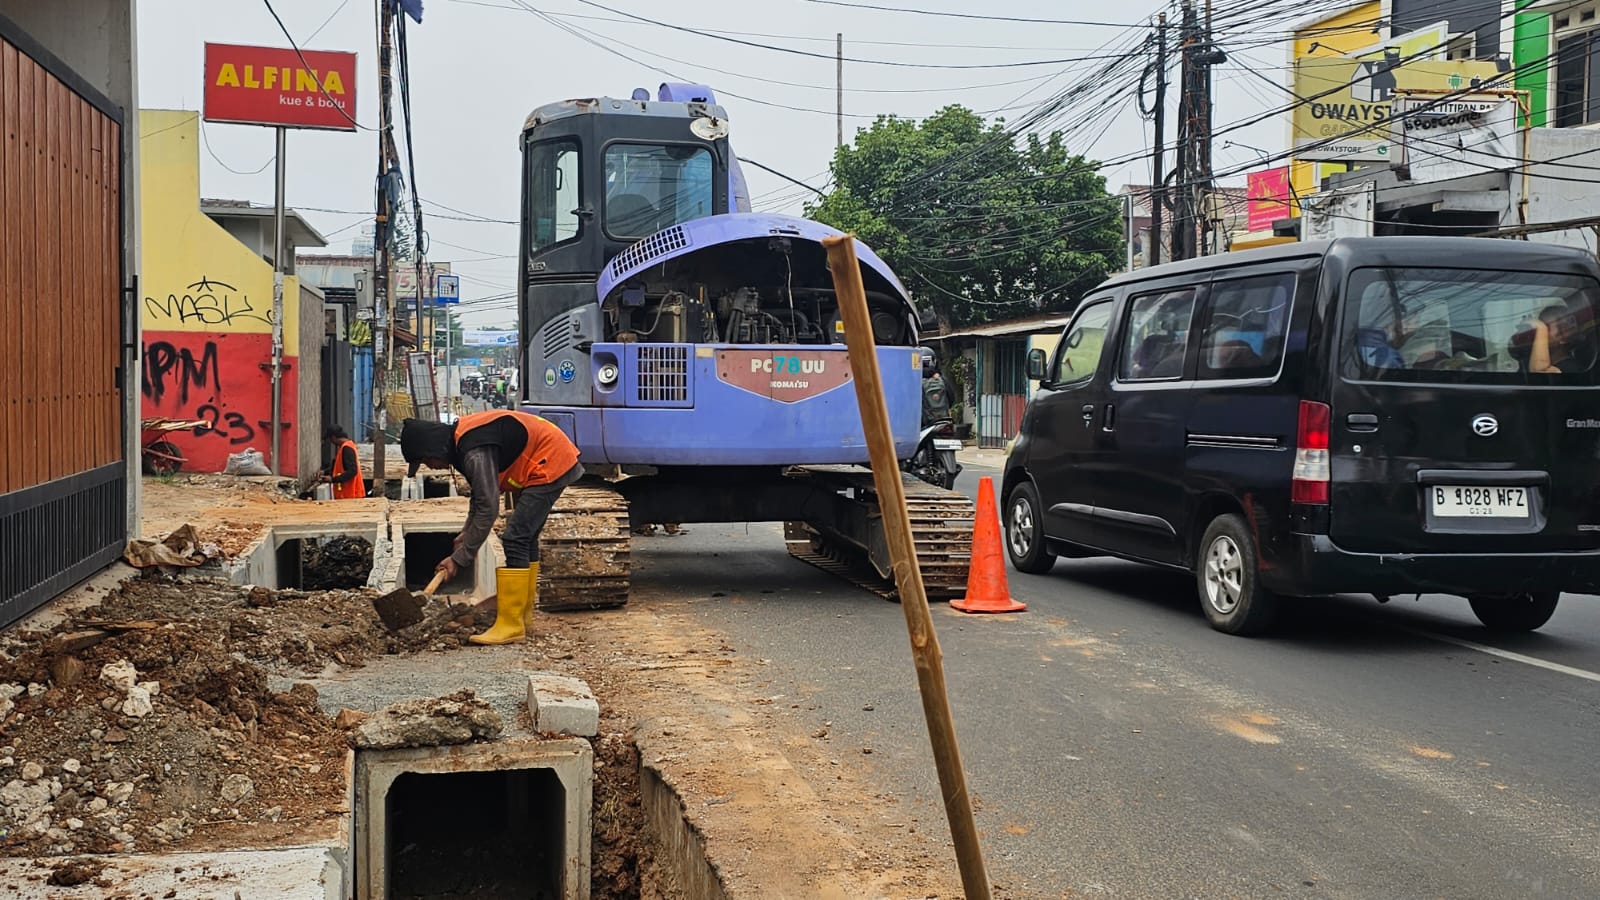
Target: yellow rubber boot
(511, 608)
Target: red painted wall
(219, 377)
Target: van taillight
(1311, 472)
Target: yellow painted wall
(206, 301)
(187, 254)
(1337, 35)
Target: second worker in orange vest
(344, 473)
(500, 450)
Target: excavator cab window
(654, 186)
(553, 193)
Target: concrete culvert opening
(424, 550)
(322, 564)
(490, 835)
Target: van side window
(1079, 354)
(1246, 322)
(1156, 340)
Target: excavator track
(585, 550)
(941, 528)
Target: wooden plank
(114, 262)
(111, 181)
(47, 300)
(79, 263)
(27, 217)
(10, 353)
(104, 362)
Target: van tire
(1519, 612)
(1024, 531)
(1226, 573)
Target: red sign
(271, 86)
(1269, 196)
(788, 376)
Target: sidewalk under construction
(250, 725)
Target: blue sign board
(447, 289)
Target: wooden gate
(63, 482)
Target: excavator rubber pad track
(941, 528)
(585, 550)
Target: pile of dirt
(616, 842)
(149, 721)
(337, 563)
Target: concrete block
(561, 705)
(565, 818)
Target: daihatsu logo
(1485, 425)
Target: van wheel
(1519, 612)
(1025, 531)
(1230, 591)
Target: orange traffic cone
(986, 579)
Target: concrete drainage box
(506, 819)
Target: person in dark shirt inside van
(1552, 343)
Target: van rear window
(1470, 326)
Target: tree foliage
(977, 225)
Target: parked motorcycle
(935, 458)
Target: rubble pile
(148, 721)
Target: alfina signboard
(274, 86)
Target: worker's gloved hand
(448, 567)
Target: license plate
(1461, 501)
(946, 444)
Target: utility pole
(838, 88)
(383, 333)
(278, 244)
(1158, 175)
(1191, 223)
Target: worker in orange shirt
(499, 450)
(344, 473)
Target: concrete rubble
(438, 722)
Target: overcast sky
(479, 67)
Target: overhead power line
(829, 56)
(960, 15)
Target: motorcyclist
(937, 396)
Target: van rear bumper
(1317, 566)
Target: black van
(1377, 415)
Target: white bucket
(324, 492)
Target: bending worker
(344, 473)
(499, 450)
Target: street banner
(475, 338)
(1444, 139)
(1346, 104)
(273, 86)
(1268, 194)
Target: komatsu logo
(785, 377)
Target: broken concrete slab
(562, 705)
(301, 873)
(436, 722)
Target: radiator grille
(659, 244)
(663, 373)
(557, 336)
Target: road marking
(1507, 654)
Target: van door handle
(1111, 417)
(1362, 422)
(1088, 413)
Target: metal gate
(63, 483)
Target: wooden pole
(852, 298)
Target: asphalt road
(1117, 746)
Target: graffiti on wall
(219, 375)
(208, 302)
